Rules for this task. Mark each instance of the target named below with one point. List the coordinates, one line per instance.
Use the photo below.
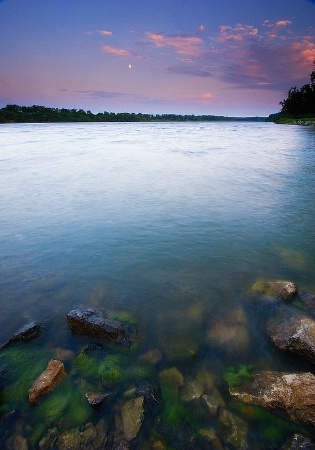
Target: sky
(221, 57)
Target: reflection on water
(170, 222)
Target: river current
(171, 223)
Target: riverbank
(294, 121)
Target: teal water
(170, 221)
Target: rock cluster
(168, 402)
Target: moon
(129, 66)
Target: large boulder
(94, 323)
(291, 393)
(294, 332)
(47, 381)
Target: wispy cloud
(105, 33)
(183, 44)
(190, 70)
(238, 33)
(115, 51)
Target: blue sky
(230, 57)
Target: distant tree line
(300, 102)
(38, 114)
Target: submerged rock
(132, 415)
(233, 430)
(308, 300)
(123, 445)
(95, 399)
(19, 443)
(179, 435)
(152, 398)
(152, 356)
(291, 393)
(210, 437)
(298, 442)
(94, 323)
(295, 333)
(214, 402)
(69, 440)
(230, 332)
(26, 333)
(172, 377)
(47, 381)
(279, 289)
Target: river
(169, 222)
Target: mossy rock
(139, 372)
(52, 408)
(272, 428)
(122, 316)
(23, 364)
(94, 364)
(171, 377)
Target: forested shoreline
(41, 114)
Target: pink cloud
(238, 33)
(116, 51)
(183, 44)
(283, 23)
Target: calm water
(170, 222)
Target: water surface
(170, 221)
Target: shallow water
(171, 222)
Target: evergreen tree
(300, 102)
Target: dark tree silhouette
(300, 102)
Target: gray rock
(26, 333)
(294, 332)
(152, 398)
(95, 399)
(298, 442)
(291, 393)
(308, 300)
(94, 323)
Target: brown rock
(292, 393)
(52, 375)
(132, 417)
